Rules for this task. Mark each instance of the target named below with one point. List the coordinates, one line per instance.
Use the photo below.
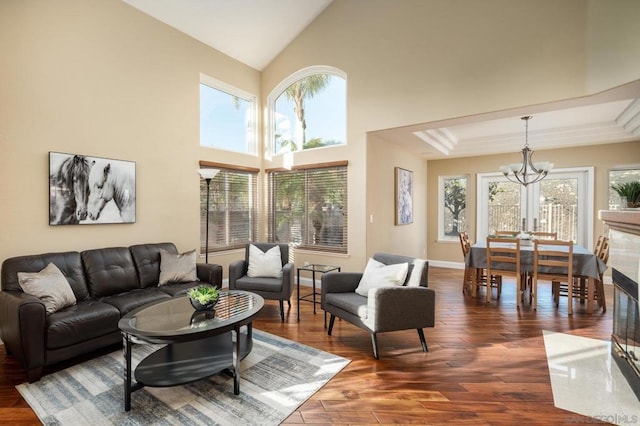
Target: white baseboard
(445, 264)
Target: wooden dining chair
(556, 254)
(601, 250)
(467, 279)
(603, 254)
(469, 272)
(503, 259)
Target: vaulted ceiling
(255, 32)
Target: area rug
(276, 378)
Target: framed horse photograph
(87, 190)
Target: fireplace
(625, 347)
(624, 249)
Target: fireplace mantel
(622, 220)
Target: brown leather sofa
(107, 283)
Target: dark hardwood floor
(486, 363)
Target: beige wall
(602, 157)
(103, 79)
(613, 49)
(382, 233)
(414, 61)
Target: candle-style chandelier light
(526, 172)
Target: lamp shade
(208, 173)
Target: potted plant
(203, 297)
(629, 191)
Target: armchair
(389, 308)
(268, 287)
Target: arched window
(308, 110)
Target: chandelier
(526, 172)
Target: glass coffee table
(198, 344)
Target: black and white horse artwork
(69, 191)
(109, 180)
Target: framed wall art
(404, 196)
(90, 190)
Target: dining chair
(601, 250)
(553, 261)
(503, 259)
(480, 275)
(465, 244)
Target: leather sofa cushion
(147, 260)
(126, 302)
(109, 271)
(69, 263)
(83, 321)
(175, 289)
(261, 284)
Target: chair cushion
(350, 302)
(377, 274)
(177, 268)
(265, 264)
(50, 286)
(261, 284)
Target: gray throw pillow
(50, 286)
(177, 268)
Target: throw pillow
(377, 274)
(177, 268)
(264, 264)
(50, 285)
(416, 273)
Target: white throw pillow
(177, 268)
(416, 273)
(50, 285)
(377, 274)
(264, 264)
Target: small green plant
(630, 190)
(203, 294)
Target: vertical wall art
(90, 190)
(404, 196)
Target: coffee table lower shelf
(181, 363)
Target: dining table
(585, 264)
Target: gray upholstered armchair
(268, 287)
(409, 306)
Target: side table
(313, 268)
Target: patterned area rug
(276, 377)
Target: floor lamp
(207, 175)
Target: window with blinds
(308, 207)
(232, 209)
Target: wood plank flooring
(486, 363)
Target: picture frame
(87, 190)
(403, 196)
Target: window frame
(442, 210)
(305, 244)
(273, 96)
(253, 210)
(252, 131)
(610, 191)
